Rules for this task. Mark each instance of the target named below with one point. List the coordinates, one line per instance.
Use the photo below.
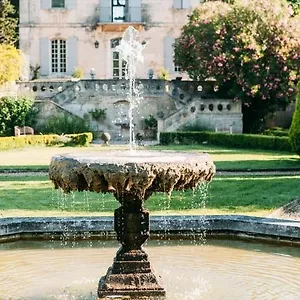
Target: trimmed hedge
(80, 139)
(276, 132)
(247, 141)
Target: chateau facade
(61, 35)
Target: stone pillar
(131, 274)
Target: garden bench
(23, 130)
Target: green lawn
(35, 158)
(255, 195)
(33, 195)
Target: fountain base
(130, 280)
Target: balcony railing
(110, 22)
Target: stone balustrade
(108, 87)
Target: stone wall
(174, 103)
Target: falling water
(130, 50)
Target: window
(118, 11)
(181, 4)
(58, 3)
(115, 42)
(177, 69)
(58, 56)
(119, 66)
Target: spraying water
(130, 50)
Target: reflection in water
(220, 269)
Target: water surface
(218, 269)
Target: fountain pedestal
(131, 273)
(132, 177)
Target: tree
(295, 4)
(10, 64)
(8, 23)
(251, 49)
(294, 132)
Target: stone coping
(233, 225)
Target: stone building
(61, 35)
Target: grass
(38, 158)
(242, 159)
(34, 195)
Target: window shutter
(71, 4)
(177, 4)
(186, 4)
(105, 11)
(135, 10)
(72, 52)
(46, 4)
(45, 56)
(168, 53)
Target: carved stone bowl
(131, 175)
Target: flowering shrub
(251, 48)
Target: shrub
(98, 114)
(35, 71)
(150, 122)
(247, 141)
(294, 133)
(277, 131)
(13, 113)
(78, 73)
(64, 124)
(251, 49)
(82, 139)
(164, 74)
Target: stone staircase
(174, 103)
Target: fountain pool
(189, 270)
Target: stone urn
(105, 137)
(132, 177)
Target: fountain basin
(271, 229)
(131, 174)
(227, 269)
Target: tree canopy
(8, 23)
(252, 50)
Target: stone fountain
(132, 177)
